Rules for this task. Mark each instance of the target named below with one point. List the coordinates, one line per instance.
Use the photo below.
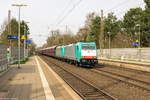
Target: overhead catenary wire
(64, 10)
(75, 5)
(68, 13)
(118, 5)
(121, 12)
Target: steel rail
(122, 78)
(103, 93)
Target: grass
(21, 62)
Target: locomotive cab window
(77, 48)
(88, 47)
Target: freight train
(80, 53)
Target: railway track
(118, 86)
(126, 62)
(85, 89)
(128, 80)
(126, 69)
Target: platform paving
(26, 83)
(141, 66)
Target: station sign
(23, 37)
(28, 41)
(136, 44)
(13, 37)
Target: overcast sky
(43, 15)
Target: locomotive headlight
(83, 60)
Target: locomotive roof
(68, 45)
(49, 47)
(86, 42)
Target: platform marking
(60, 80)
(47, 90)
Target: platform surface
(35, 81)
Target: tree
(111, 28)
(14, 31)
(147, 3)
(32, 48)
(145, 27)
(126, 30)
(53, 38)
(112, 25)
(58, 38)
(5, 32)
(82, 34)
(131, 19)
(93, 36)
(89, 18)
(136, 19)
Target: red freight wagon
(50, 51)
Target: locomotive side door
(77, 52)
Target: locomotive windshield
(88, 47)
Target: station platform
(35, 80)
(142, 66)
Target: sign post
(23, 37)
(8, 56)
(136, 43)
(28, 42)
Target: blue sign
(28, 41)
(15, 37)
(135, 44)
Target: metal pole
(27, 51)
(109, 47)
(26, 36)
(27, 47)
(9, 21)
(139, 38)
(24, 41)
(19, 40)
(101, 35)
(139, 44)
(102, 32)
(19, 5)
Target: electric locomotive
(80, 53)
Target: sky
(44, 15)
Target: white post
(19, 40)
(9, 28)
(24, 42)
(19, 5)
(109, 47)
(139, 44)
(139, 37)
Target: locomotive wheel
(77, 64)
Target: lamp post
(109, 45)
(19, 6)
(139, 38)
(9, 31)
